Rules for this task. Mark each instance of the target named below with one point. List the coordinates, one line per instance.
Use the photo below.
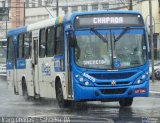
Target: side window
(59, 42)
(50, 41)
(26, 45)
(30, 44)
(42, 43)
(10, 48)
(20, 46)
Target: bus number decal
(89, 77)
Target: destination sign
(98, 20)
(108, 20)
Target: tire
(125, 102)
(59, 96)
(24, 89)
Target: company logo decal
(46, 70)
(113, 82)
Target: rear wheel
(59, 96)
(126, 102)
(24, 89)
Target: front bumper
(113, 92)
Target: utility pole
(24, 14)
(4, 8)
(130, 5)
(151, 39)
(57, 8)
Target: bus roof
(69, 17)
(16, 31)
(38, 25)
(107, 11)
(46, 23)
(62, 19)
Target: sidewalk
(155, 88)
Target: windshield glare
(91, 51)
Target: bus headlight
(141, 79)
(86, 83)
(83, 81)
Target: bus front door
(35, 66)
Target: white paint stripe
(41, 24)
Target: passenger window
(42, 44)
(59, 43)
(30, 44)
(50, 41)
(26, 45)
(20, 46)
(10, 48)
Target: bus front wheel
(59, 96)
(125, 102)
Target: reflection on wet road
(143, 110)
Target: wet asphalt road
(143, 110)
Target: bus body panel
(10, 75)
(28, 77)
(94, 93)
(34, 56)
(21, 65)
(46, 77)
(102, 89)
(41, 73)
(14, 71)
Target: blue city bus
(84, 56)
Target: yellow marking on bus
(61, 19)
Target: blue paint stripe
(9, 65)
(21, 64)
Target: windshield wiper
(124, 31)
(99, 35)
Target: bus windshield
(127, 46)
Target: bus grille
(113, 91)
(112, 75)
(109, 83)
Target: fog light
(77, 76)
(86, 83)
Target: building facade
(17, 13)
(143, 7)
